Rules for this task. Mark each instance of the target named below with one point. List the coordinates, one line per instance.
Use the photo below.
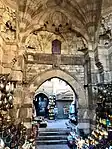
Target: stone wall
(76, 71)
(35, 70)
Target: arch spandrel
(72, 81)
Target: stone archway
(72, 81)
(65, 76)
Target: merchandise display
(12, 135)
(52, 103)
(104, 105)
(101, 136)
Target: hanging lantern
(100, 96)
(0, 95)
(2, 144)
(101, 88)
(0, 120)
(0, 103)
(7, 96)
(93, 133)
(11, 106)
(105, 133)
(7, 87)
(5, 101)
(104, 91)
(12, 87)
(10, 98)
(1, 85)
(7, 106)
(101, 133)
(108, 93)
(3, 96)
(8, 118)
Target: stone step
(64, 137)
(54, 130)
(52, 133)
(50, 142)
(52, 136)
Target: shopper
(55, 112)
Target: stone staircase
(50, 136)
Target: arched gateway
(74, 84)
(39, 79)
(67, 77)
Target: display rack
(101, 135)
(104, 105)
(52, 103)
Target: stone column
(26, 106)
(91, 78)
(89, 70)
(18, 101)
(22, 111)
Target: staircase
(52, 136)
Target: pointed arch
(72, 81)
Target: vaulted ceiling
(60, 16)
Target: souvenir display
(101, 136)
(6, 94)
(11, 136)
(52, 103)
(104, 105)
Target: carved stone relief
(8, 23)
(105, 31)
(57, 22)
(41, 42)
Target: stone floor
(57, 123)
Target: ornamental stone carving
(8, 23)
(105, 32)
(41, 42)
(57, 22)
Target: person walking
(55, 112)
